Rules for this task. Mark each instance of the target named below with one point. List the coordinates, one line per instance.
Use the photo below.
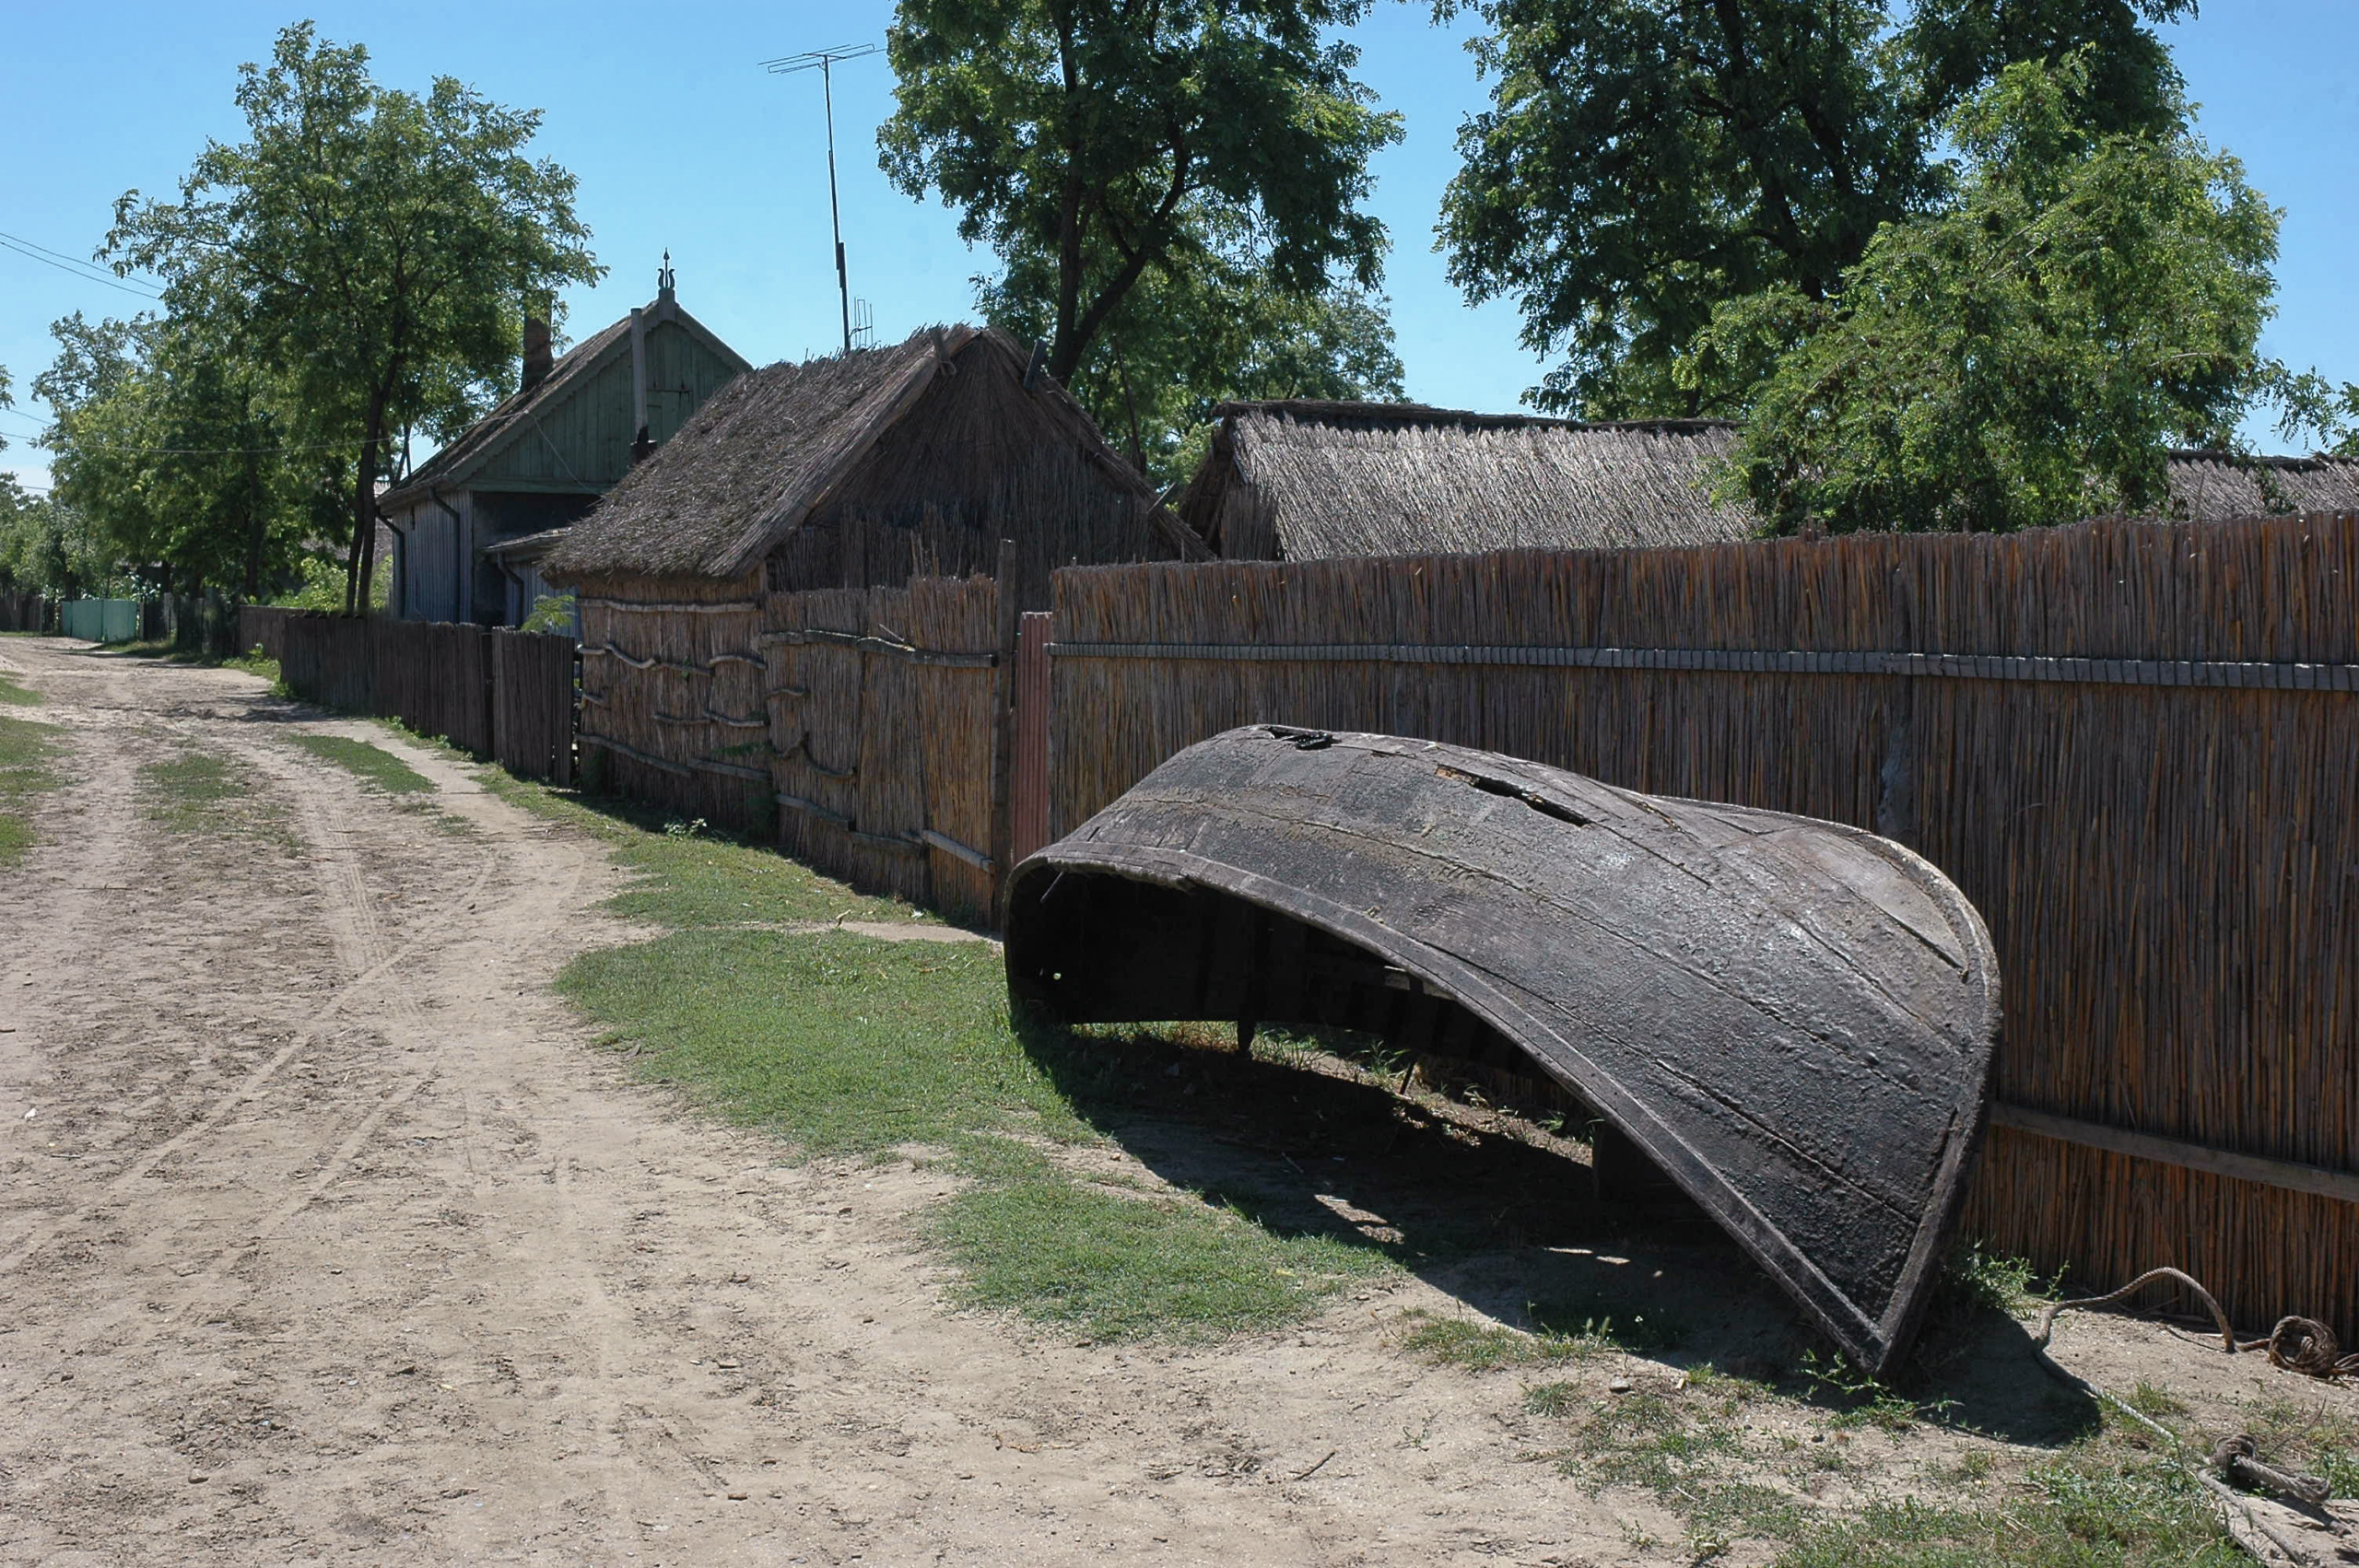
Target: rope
(2297, 1344)
(2307, 1346)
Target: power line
(31, 251)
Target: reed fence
(23, 613)
(533, 686)
(672, 697)
(888, 734)
(263, 626)
(865, 727)
(2130, 746)
(504, 694)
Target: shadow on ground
(1515, 1230)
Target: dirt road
(323, 1234)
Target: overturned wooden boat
(1791, 1019)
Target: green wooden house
(469, 526)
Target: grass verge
(846, 1046)
(16, 695)
(26, 749)
(685, 875)
(371, 765)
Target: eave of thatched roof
(774, 445)
(2211, 487)
(513, 419)
(1374, 479)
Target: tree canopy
(177, 448)
(2027, 353)
(1094, 143)
(377, 250)
(1205, 326)
(1642, 160)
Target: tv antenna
(823, 61)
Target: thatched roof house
(870, 467)
(574, 426)
(805, 601)
(1302, 480)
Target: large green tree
(1209, 325)
(1090, 140)
(2028, 354)
(1642, 160)
(175, 444)
(377, 248)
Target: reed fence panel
(533, 682)
(672, 693)
(263, 626)
(884, 707)
(23, 613)
(1028, 788)
(2128, 744)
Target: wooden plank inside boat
(1791, 1020)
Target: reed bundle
(2166, 868)
(885, 707)
(665, 663)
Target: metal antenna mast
(821, 60)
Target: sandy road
(323, 1236)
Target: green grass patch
(841, 1044)
(17, 696)
(198, 792)
(263, 664)
(1560, 1332)
(26, 749)
(1128, 1267)
(702, 878)
(2093, 1506)
(372, 765)
(844, 1044)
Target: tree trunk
(363, 559)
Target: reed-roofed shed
(1303, 480)
(868, 468)
(805, 601)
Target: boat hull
(1792, 1020)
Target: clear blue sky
(681, 140)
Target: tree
(377, 249)
(2027, 355)
(175, 445)
(1090, 139)
(1644, 159)
(1203, 328)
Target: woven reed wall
(2167, 869)
(672, 694)
(886, 728)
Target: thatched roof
(760, 454)
(1308, 480)
(2208, 486)
(517, 416)
(1370, 479)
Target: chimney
(537, 359)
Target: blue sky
(681, 140)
